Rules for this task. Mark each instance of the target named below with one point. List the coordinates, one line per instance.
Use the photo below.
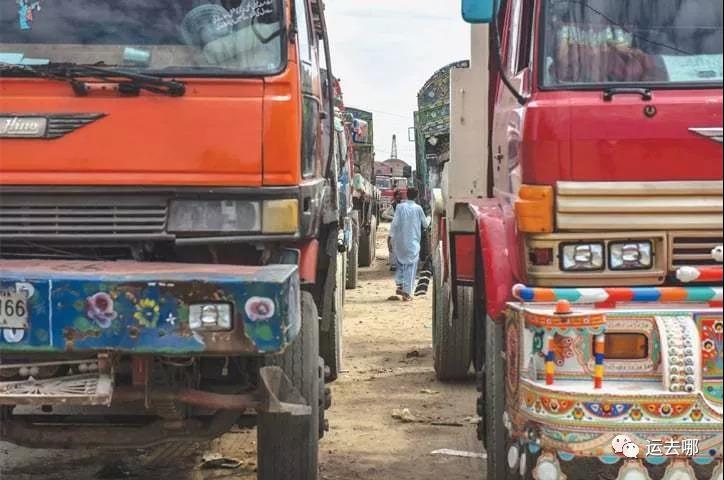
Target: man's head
(412, 194)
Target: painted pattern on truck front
(573, 418)
(102, 312)
(711, 328)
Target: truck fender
(498, 253)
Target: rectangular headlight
(210, 317)
(214, 216)
(576, 257)
(631, 256)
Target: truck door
(516, 52)
(311, 103)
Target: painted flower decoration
(696, 415)
(100, 309)
(259, 309)
(637, 415)
(147, 312)
(578, 413)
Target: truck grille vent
(81, 217)
(627, 206)
(25, 250)
(693, 250)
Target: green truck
(365, 195)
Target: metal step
(86, 389)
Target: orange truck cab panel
(239, 122)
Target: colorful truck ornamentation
(170, 227)
(578, 260)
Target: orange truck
(168, 224)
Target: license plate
(13, 309)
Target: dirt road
(388, 363)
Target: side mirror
(478, 11)
(407, 171)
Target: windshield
(179, 36)
(384, 183)
(632, 42)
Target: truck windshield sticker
(244, 13)
(25, 13)
(684, 68)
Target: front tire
(498, 442)
(288, 449)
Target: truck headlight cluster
(576, 257)
(234, 216)
(631, 256)
(622, 256)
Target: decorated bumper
(151, 308)
(587, 366)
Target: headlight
(582, 257)
(631, 256)
(214, 216)
(210, 316)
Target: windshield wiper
(73, 73)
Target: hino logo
(23, 127)
(43, 125)
(714, 133)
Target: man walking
(397, 199)
(406, 233)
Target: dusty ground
(388, 361)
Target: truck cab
(168, 223)
(580, 259)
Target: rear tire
(331, 339)
(368, 244)
(452, 335)
(287, 448)
(353, 260)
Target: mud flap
(280, 396)
(283, 407)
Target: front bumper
(567, 397)
(143, 308)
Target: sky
(384, 51)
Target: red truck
(578, 247)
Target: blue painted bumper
(143, 308)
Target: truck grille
(60, 216)
(625, 206)
(693, 249)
